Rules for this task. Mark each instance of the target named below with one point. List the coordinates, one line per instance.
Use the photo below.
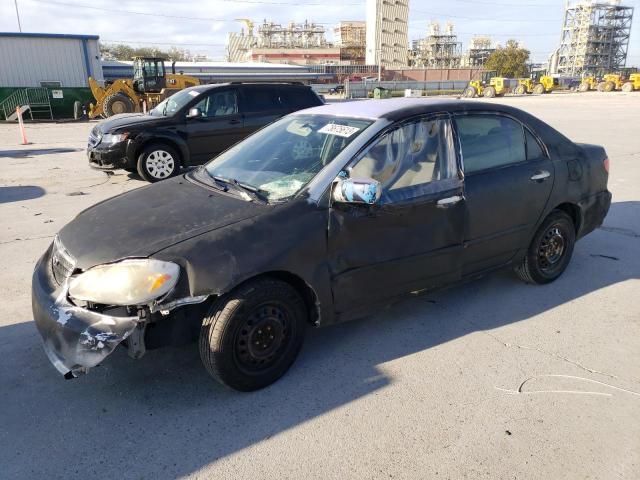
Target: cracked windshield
(282, 158)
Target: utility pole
(15, 2)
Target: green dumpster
(380, 92)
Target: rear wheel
(469, 92)
(520, 90)
(538, 89)
(157, 162)
(251, 337)
(489, 92)
(608, 87)
(550, 250)
(118, 103)
(627, 87)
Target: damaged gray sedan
(323, 216)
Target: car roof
(398, 108)
(213, 86)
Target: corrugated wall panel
(25, 62)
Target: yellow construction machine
(588, 84)
(150, 84)
(546, 84)
(616, 81)
(632, 84)
(489, 86)
(525, 85)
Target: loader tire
(600, 87)
(520, 90)
(627, 87)
(538, 89)
(489, 92)
(608, 87)
(118, 103)
(584, 87)
(469, 92)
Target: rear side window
(260, 99)
(298, 98)
(490, 141)
(534, 150)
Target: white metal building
(387, 33)
(47, 59)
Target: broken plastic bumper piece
(75, 338)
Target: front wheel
(490, 92)
(157, 162)
(251, 337)
(550, 250)
(627, 87)
(539, 89)
(520, 90)
(469, 92)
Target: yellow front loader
(490, 86)
(588, 84)
(150, 84)
(633, 84)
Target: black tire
(469, 92)
(550, 250)
(118, 103)
(234, 326)
(539, 89)
(584, 87)
(158, 161)
(520, 90)
(490, 92)
(627, 87)
(608, 87)
(77, 110)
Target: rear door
(260, 105)
(298, 97)
(508, 180)
(218, 126)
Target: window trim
(524, 127)
(448, 184)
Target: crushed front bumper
(112, 157)
(75, 338)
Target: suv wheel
(550, 250)
(251, 337)
(157, 162)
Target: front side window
(282, 158)
(411, 160)
(490, 141)
(218, 104)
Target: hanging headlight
(130, 282)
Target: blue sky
(536, 23)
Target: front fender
(135, 145)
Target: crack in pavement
(573, 377)
(621, 231)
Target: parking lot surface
(492, 379)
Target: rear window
(260, 99)
(298, 98)
(490, 141)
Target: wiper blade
(248, 192)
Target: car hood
(129, 120)
(141, 222)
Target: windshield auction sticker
(339, 130)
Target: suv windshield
(169, 106)
(282, 158)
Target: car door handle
(447, 202)
(541, 175)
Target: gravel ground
(426, 389)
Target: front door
(411, 239)
(508, 180)
(218, 126)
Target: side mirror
(194, 113)
(357, 190)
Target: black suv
(191, 126)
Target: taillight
(606, 164)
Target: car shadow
(163, 417)
(23, 192)
(33, 152)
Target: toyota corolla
(323, 216)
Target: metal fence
(365, 89)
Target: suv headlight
(129, 282)
(113, 138)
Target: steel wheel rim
(160, 164)
(263, 338)
(552, 248)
